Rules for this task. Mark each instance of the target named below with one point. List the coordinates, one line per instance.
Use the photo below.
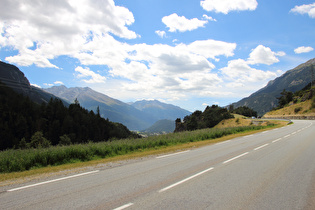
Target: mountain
(293, 80)
(110, 108)
(12, 77)
(161, 110)
(136, 116)
(161, 126)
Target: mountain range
(292, 80)
(136, 116)
(141, 115)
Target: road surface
(268, 170)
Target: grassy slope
(292, 110)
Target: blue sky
(185, 52)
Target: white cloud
(239, 70)
(49, 85)
(46, 30)
(87, 73)
(35, 85)
(263, 55)
(303, 49)
(305, 9)
(225, 6)
(58, 83)
(181, 23)
(161, 34)
(209, 18)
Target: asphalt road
(267, 170)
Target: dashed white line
(177, 153)
(235, 157)
(223, 142)
(185, 180)
(50, 181)
(124, 206)
(287, 136)
(265, 132)
(276, 140)
(257, 148)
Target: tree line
(24, 123)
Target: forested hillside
(24, 123)
(211, 116)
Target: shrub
(297, 109)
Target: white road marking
(276, 140)
(124, 206)
(257, 148)
(50, 181)
(235, 157)
(222, 142)
(185, 180)
(287, 136)
(265, 132)
(293, 133)
(163, 156)
(249, 136)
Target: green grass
(22, 160)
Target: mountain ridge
(14, 78)
(292, 80)
(133, 115)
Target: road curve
(267, 170)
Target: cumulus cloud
(181, 23)
(85, 30)
(241, 79)
(43, 31)
(225, 6)
(305, 9)
(161, 34)
(263, 55)
(303, 49)
(91, 75)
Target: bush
(297, 109)
(39, 141)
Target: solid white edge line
(257, 148)
(235, 157)
(185, 180)
(177, 153)
(50, 181)
(124, 206)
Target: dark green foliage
(21, 120)
(246, 111)
(207, 119)
(39, 141)
(285, 98)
